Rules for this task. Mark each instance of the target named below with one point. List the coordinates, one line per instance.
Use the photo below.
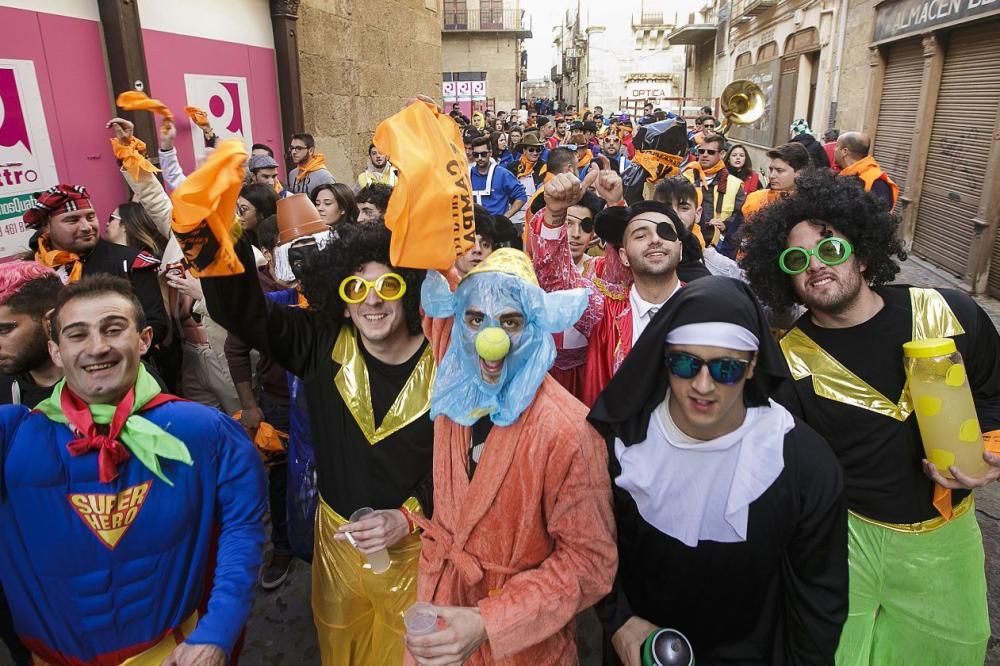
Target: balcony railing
(695, 29)
(647, 19)
(488, 20)
(751, 8)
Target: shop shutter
(960, 143)
(897, 113)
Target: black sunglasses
(706, 151)
(723, 370)
(480, 153)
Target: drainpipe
(838, 61)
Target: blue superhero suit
(97, 572)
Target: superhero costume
(98, 572)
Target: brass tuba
(742, 103)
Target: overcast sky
(545, 15)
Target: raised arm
(173, 175)
(290, 336)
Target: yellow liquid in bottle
(946, 415)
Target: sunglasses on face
(831, 251)
(586, 223)
(723, 370)
(532, 150)
(480, 154)
(706, 151)
(388, 287)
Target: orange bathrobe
(531, 539)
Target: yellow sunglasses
(388, 286)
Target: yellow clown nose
(492, 344)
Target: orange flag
(430, 210)
(197, 116)
(204, 219)
(133, 100)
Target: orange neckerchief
(658, 164)
(695, 165)
(524, 167)
(133, 156)
(315, 164)
(56, 258)
(942, 495)
(584, 162)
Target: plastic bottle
(942, 401)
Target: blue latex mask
(486, 341)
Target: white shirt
(702, 490)
(643, 311)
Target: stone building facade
(920, 77)
(360, 60)
(481, 53)
(619, 55)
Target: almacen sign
(906, 17)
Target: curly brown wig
(355, 246)
(824, 198)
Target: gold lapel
(932, 318)
(352, 382)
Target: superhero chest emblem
(110, 515)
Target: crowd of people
(651, 381)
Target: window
(744, 59)
(456, 16)
(803, 40)
(767, 51)
(490, 14)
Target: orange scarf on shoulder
(317, 162)
(695, 165)
(56, 258)
(524, 167)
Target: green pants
(916, 598)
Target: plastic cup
(420, 619)
(378, 561)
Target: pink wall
(169, 57)
(72, 80)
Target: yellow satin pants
(359, 614)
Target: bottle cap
(929, 348)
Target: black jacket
(816, 153)
(137, 267)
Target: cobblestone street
(281, 629)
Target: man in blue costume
(114, 497)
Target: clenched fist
(609, 184)
(561, 192)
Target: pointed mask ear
(436, 296)
(562, 309)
